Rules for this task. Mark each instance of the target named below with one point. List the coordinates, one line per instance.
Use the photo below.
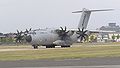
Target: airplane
(60, 37)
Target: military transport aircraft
(59, 37)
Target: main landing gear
(35, 46)
(65, 46)
(50, 46)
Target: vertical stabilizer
(84, 19)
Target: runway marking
(102, 66)
(2, 50)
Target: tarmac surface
(101, 62)
(113, 62)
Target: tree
(113, 38)
(87, 38)
(118, 36)
(91, 38)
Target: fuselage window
(43, 32)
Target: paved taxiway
(113, 62)
(104, 66)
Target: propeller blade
(67, 31)
(61, 28)
(85, 31)
(17, 31)
(26, 31)
(79, 29)
(65, 28)
(81, 38)
(21, 32)
(84, 37)
(30, 29)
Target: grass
(15, 46)
(59, 53)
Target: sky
(25, 14)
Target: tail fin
(85, 17)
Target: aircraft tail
(85, 17)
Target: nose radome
(28, 38)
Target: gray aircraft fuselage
(48, 37)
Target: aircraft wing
(100, 31)
(95, 31)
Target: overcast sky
(22, 14)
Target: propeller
(19, 36)
(27, 31)
(63, 33)
(82, 34)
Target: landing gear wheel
(35, 46)
(53, 46)
(50, 46)
(68, 46)
(65, 46)
(47, 46)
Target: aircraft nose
(28, 38)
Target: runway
(113, 62)
(104, 66)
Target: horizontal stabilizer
(93, 10)
(102, 10)
(77, 12)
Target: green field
(77, 51)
